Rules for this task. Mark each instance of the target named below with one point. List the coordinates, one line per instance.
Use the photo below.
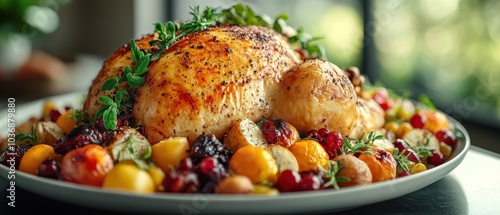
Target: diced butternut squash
(168, 153)
(66, 121)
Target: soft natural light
(439, 9)
(342, 27)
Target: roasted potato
(244, 132)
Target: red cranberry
(207, 165)
(312, 134)
(310, 182)
(400, 144)
(418, 120)
(49, 169)
(288, 181)
(54, 115)
(446, 136)
(186, 164)
(412, 155)
(13, 154)
(333, 143)
(403, 174)
(181, 182)
(382, 98)
(271, 133)
(436, 159)
(322, 132)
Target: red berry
(403, 174)
(436, 159)
(310, 182)
(186, 164)
(322, 132)
(207, 165)
(54, 115)
(271, 133)
(400, 144)
(412, 155)
(288, 181)
(312, 134)
(333, 143)
(447, 137)
(181, 182)
(418, 120)
(49, 169)
(382, 98)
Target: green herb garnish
(402, 160)
(352, 145)
(424, 99)
(31, 135)
(331, 174)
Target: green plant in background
(29, 17)
(20, 22)
(449, 50)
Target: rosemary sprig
(31, 135)
(331, 174)
(402, 160)
(422, 150)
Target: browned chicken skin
(210, 79)
(317, 94)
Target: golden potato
(354, 170)
(242, 133)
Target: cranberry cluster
(332, 141)
(202, 170)
(291, 181)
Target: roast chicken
(210, 79)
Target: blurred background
(447, 49)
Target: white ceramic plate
(287, 203)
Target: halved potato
(284, 158)
(423, 138)
(128, 144)
(244, 132)
(48, 132)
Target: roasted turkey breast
(210, 79)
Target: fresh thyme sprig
(168, 33)
(352, 145)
